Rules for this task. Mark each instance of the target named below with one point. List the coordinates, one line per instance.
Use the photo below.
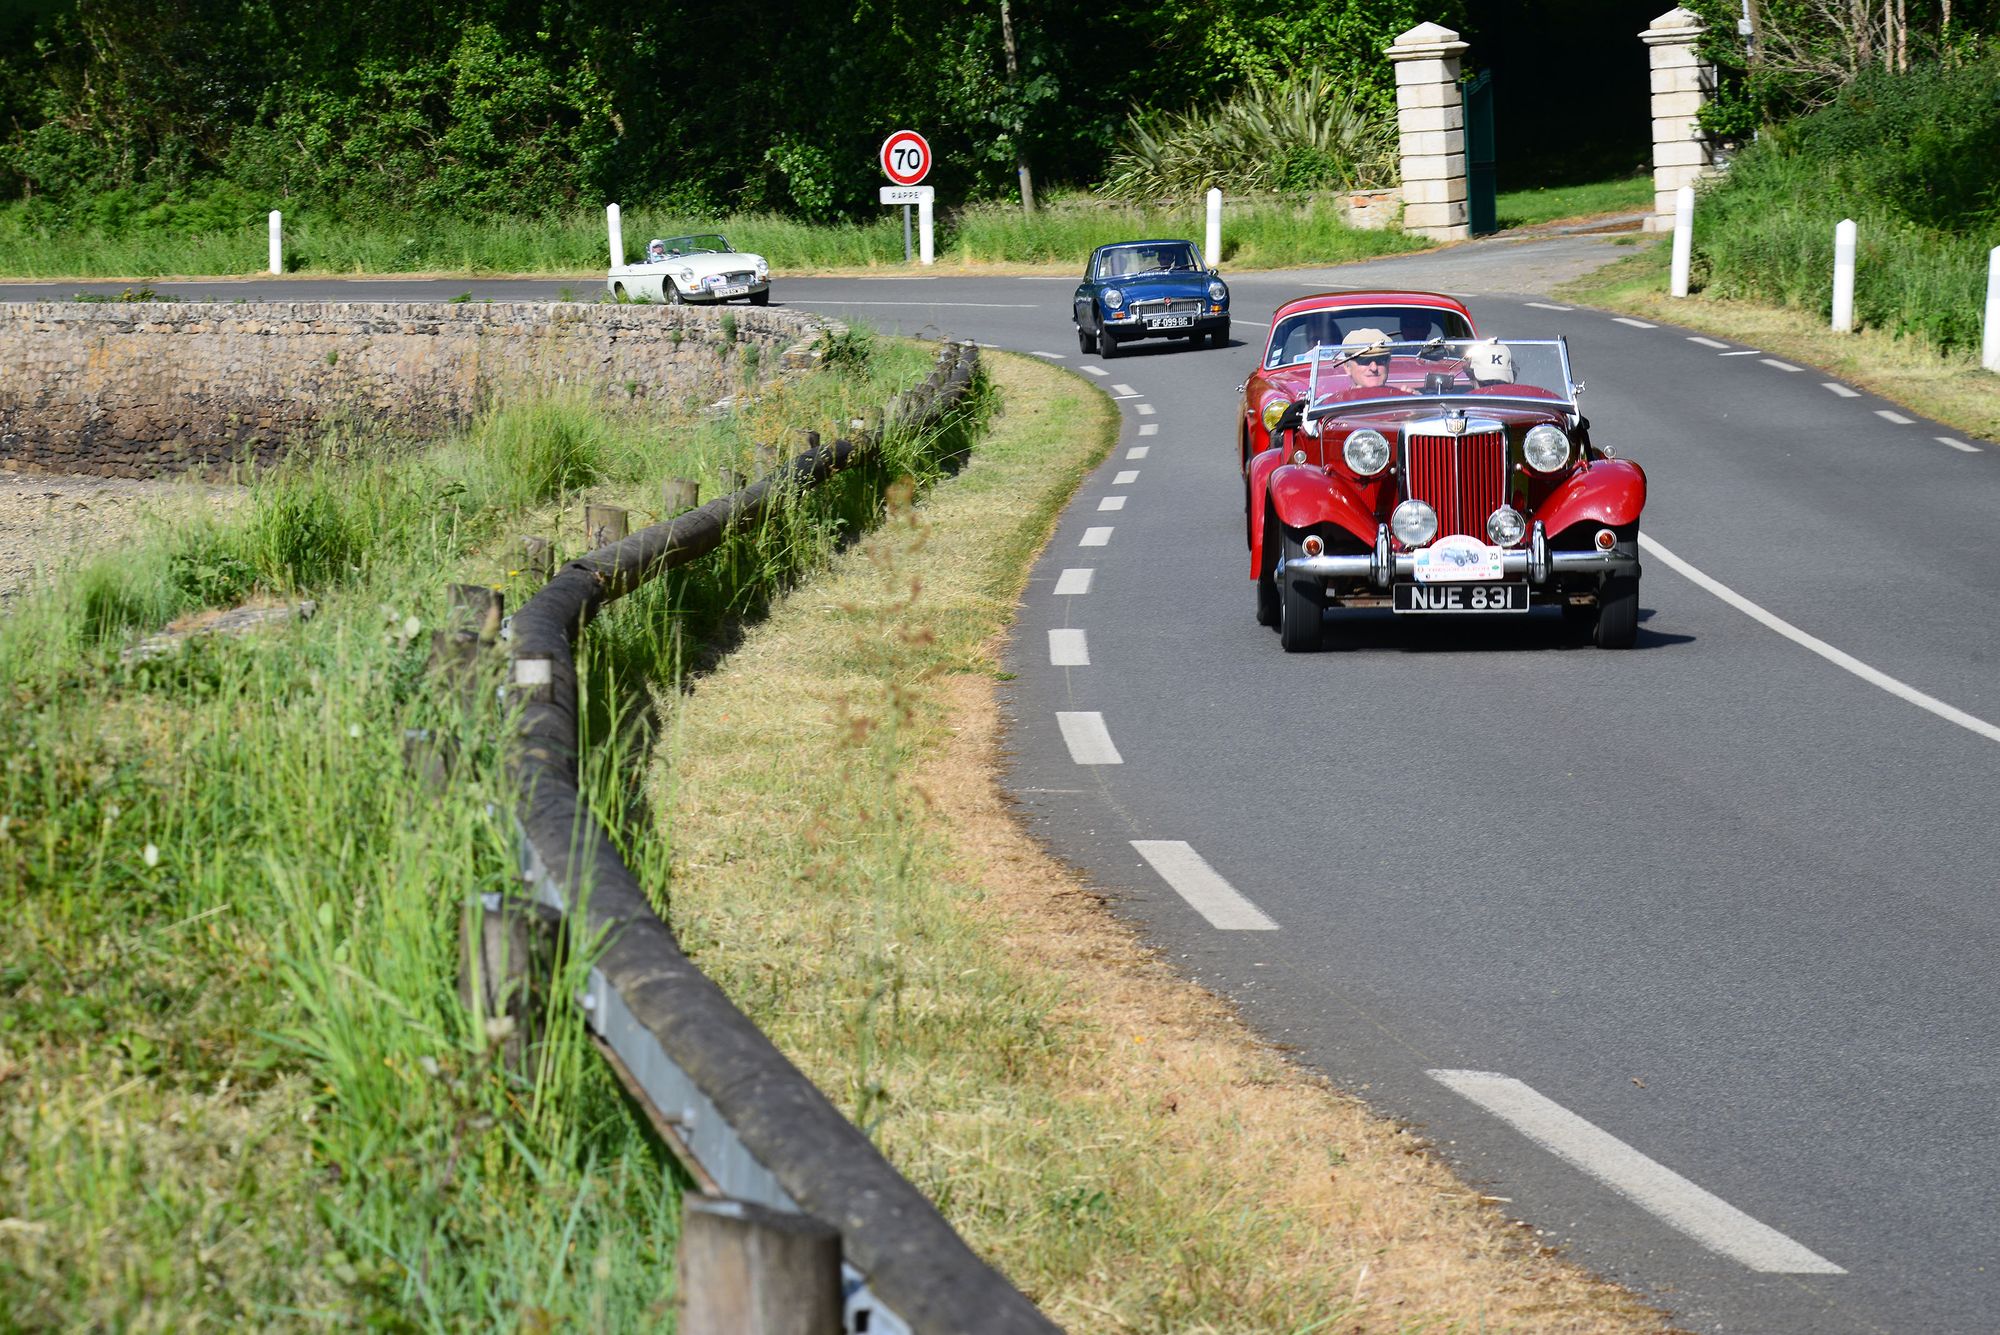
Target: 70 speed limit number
(906, 157)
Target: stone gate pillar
(1430, 122)
(1682, 153)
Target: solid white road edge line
(1089, 741)
(1126, 477)
(1840, 389)
(1074, 581)
(1067, 648)
(1747, 352)
(1636, 324)
(1703, 1216)
(1111, 503)
(1897, 418)
(1206, 893)
(1096, 537)
(1839, 658)
(1957, 444)
(1707, 342)
(1546, 306)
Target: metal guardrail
(754, 1128)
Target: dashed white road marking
(1782, 366)
(1096, 537)
(1074, 581)
(1111, 503)
(1702, 1215)
(1839, 658)
(1052, 356)
(1149, 428)
(1126, 477)
(1840, 389)
(1139, 451)
(1897, 418)
(1636, 324)
(1122, 397)
(1095, 370)
(1707, 342)
(1547, 306)
(1067, 648)
(1089, 741)
(1747, 352)
(1144, 409)
(1206, 892)
(1957, 444)
(1124, 389)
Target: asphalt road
(1715, 917)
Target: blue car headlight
(1113, 298)
(1216, 291)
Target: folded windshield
(1437, 368)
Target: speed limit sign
(906, 157)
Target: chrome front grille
(746, 277)
(1163, 306)
(1463, 478)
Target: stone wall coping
(1427, 41)
(1676, 27)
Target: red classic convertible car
(1443, 476)
(1322, 320)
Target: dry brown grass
(1114, 1137)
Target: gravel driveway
(47, 520)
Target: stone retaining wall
(154, 387)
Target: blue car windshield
(1152, 257)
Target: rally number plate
(1511, 597)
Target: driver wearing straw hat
(1364, 355)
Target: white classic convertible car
(700, 268)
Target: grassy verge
(1526, 208)
(845, 866)
(1949, 386)
(237, 1087)
(1257, 235)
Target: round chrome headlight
(1366, 452)
(1546, 448)
(686, 276)
(1272, 412)
(1216, 291)
(1113, 298)
(1413, 523)
(1505, 526)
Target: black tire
(1085, 342)
(1301, 603)
(1617, 612)
(1267, 597)
(1107, 346)
(1218, 338)
(674, 297)
(761, 298)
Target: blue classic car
(1149, 289)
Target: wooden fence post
(538, 558)
(479, 608)
(605, 524)
(748, 1270)
(681, 493)
(508, 955)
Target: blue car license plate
(1169, 321)
(1485, 597)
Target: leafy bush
(1310, 133)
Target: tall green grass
(241, 1089)
(1266, 232)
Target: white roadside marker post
(926, 247)
(1214, 247)
(616, 228)
(1843, 277)
(1683, 238)
(1989, 352)
(277, 242)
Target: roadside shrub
(1312, 132)
(305, 532)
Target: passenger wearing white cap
(1489, 364)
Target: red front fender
(1305, 496)
(1611, 492)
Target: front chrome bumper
(1536, 562)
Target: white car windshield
(1296, 335)
(706, 243)
(1527, 370)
